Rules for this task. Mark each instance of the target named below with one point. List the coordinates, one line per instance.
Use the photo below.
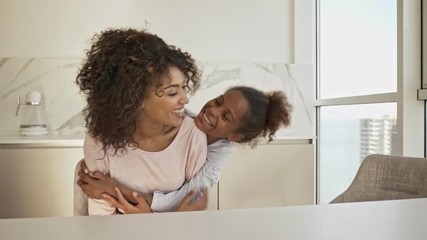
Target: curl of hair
(119, 70)
(267, 113)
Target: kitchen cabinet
(281, 173)
(37, 182)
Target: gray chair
(384, 177)
(80, 198)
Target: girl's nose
(214, 110)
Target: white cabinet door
(213, 198)
(37, 182)
(269, 175)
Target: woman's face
(221, 117)
(165, 106)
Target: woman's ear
(236, 137)
(142, 105)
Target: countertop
(12, 140)
(51, 140)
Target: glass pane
(347, 135)
(357, 47)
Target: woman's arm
(96, 160)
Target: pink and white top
(143, 171)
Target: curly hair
(267, 113)
(119, 70)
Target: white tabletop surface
(391, 220)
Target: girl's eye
(226, 118)
(172, 94)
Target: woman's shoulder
(90, 142)
(189, 128)
(188, 135)
(188, 122)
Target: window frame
(410, 111)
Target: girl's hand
(94, 184)
(127, 207)
(193, 202)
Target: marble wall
(54, 78)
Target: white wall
(210, 30)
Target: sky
(358, 53)
(358, 47)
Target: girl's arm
(218, 155)
(188, 203)
(95, 184)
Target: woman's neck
(147, 131)
(154, 137)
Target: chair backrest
(385, 177)
(80, 198)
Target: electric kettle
(34, 120)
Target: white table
(391, 220)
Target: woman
(136, 88)
(241, 114)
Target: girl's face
(221, 117)
(165, 106)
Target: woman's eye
(186, 89)
(172, 94)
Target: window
(357, 88)
(357, 46)
(348, 133)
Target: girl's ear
(142, 105)
(236, 137)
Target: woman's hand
(194, 201)
(94, 184)
(141, 205)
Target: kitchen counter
(18, 141)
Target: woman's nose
(184, 98)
